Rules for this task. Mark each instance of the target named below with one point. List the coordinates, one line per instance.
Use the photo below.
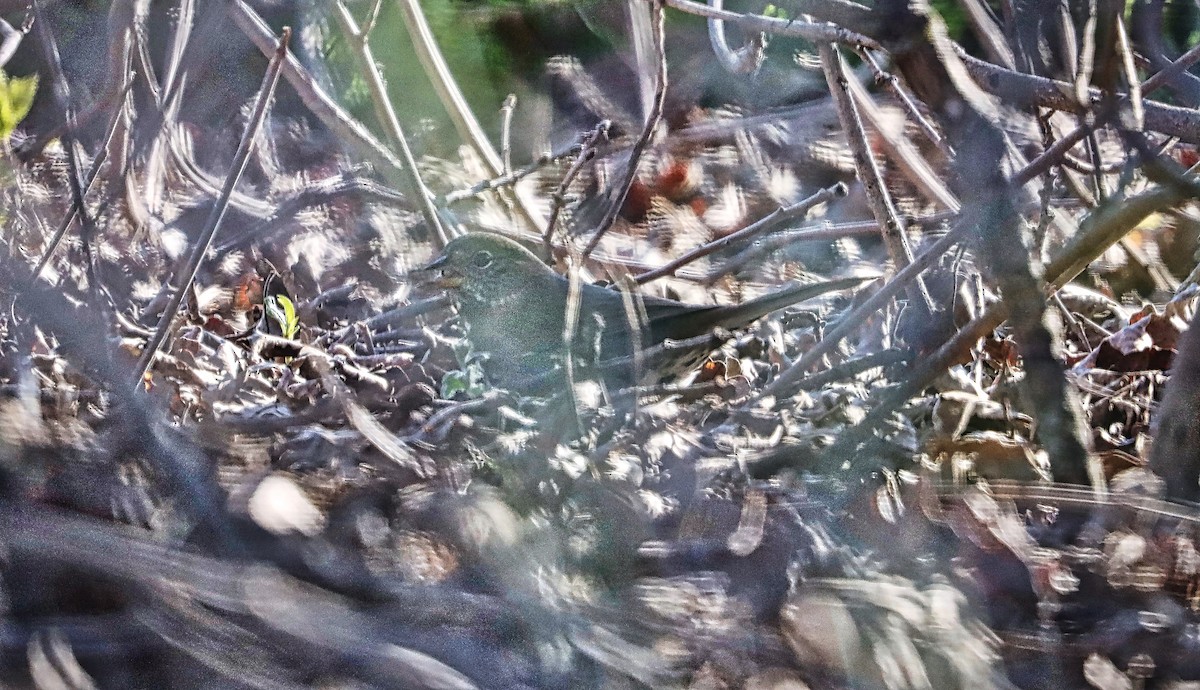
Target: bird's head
(482, 266)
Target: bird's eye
(482, 259)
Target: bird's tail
(759, 307)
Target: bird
(513, 307)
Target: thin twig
(637, 320)
(1085, 168)
(890, 225)
(30, 148)
(558, 199)
(1069, 317)
(1099, 232)
(325, 108)
(387, 116)
(514, 176)
(465, 122)
(389, 318)
(369, 27)
(1024, 90)
(125, 19)
(779, 27)
(989, 35)
(906, 100)
(11, 40)
(777, 216)
(443, 419)
(1131, 76)
(636, 394)
(822, 231)
(653, 119)
(1176, 68)
(1103, 228)
(166, 117)
(73, 213)
(860, 314)
(391, 447)
(924, 371)
(746, 60)
(319, 192)
(809, 116)
(1159, 274)
(60, 88)
(145, 62)
(571, 313)
(265, 94)
(902, 151)
(1076, 186)
(854, 367)
(1093, 149)
(506, 115)
(1046, 193)
(184, 22)
(456, 106)
(1087, 56)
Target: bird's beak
(444, 278)
(436, 264)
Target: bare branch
(1026, 90)
(777, 216)
(455, 103)
(745, 60)
(184, 281)
(891, 227)
(823, 33)
(902, 151)
(387, 115)
(653, 119)
(984, 25)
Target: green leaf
(463, 352)
(16, 98)
(776, 12)
(291, 320)
(468, 380)
(282, 311)
(453, 382)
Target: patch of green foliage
(954, 17)
(16, 98)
